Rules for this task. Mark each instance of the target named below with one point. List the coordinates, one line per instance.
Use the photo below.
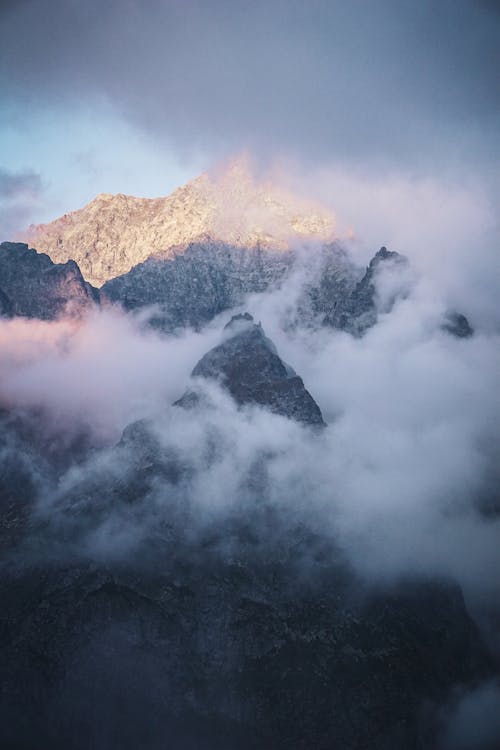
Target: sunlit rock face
(31, 285)
(113, 233)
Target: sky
(138, 96)
(386, 110)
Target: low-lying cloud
(20, 194)
(404, 478)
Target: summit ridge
(113, 233)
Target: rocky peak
(359, 311)
(113, 233)
(248, 365)
(383, 254)
(457, 325)
(242, 320)
(31, 285)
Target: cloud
(101, 372)
(399, 479)
(448, 229)
(20, 193)
(374, 83)
(473, 720)
(19, 184)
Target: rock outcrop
(113, 233)
(457, 325)
(212, 653)
(358, 311)
(198, 283)
(33, 286)
(249, 367)
(133, 612)
(207, 278)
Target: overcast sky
(139, 95)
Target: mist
(400, 479)
(381, 91)
(379, 81)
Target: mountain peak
(231, 203)
(248, 365)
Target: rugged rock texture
(35, 287)
(208, 278)
(198, 283)
(6, 309)
(248, 365)
(190, 289)
(358, 311)
(245, 628)
(457, 325)
(205, 652)
(22, 471)
(113, 233)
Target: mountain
(248, 365)
(244, 628)
(113, 233)
(359, 311)
(212, 242)
(457, 325)
(207, 278)
(219, 629)
(195, 285)
(31, 285)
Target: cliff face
(249, 367)
(246, 628)
(113, 233)
(31, 285)
(191, 288)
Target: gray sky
(137, 95)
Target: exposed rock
(457, 325)
(248, 365)
(198, 283)
(35, 287)
(217, 653)
(6, 308)
(113, 233)
(358, 312)
(209, 277)
(243, 628)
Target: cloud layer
(401, 477)
(20, 193)
(377, 83)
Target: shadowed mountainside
(241, 628)
(32, 286)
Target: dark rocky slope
(198, 283)
(249, 367)
(31, 285)
(207, 278)
(187, 648)
(210, 277)
(246, 628)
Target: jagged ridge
(113, 233)
(248, 365)
(31, 285)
